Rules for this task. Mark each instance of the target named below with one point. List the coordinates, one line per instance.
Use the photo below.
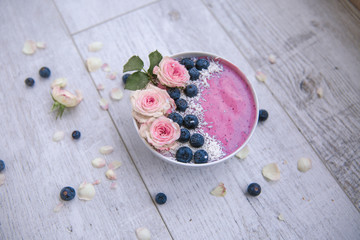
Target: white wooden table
(316, 44)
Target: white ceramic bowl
(193, 165)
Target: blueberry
(254, 189)
(188, 63)
(29, 82)
(263, 115)
(174, 93)
(160, 198)
(190, 121)
(201, 156)
(184, 135)
(181, 105)
(202, 64)
(196, 140)
(194, 74)
(125, 77)
(45, 72)
(67, 193)
(76, 134)
(191, 90)
(2, 165)
(176, 118)
(184, 154)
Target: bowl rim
(193, 165)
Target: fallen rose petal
(61, 82)
(281, 217)
(86, 191)
(58, 207)
(113, 185)
(219, 191)
(304, 164)
(105, 67)
(104, 104)
(320, 92)
(106, 149)
(110, 174)
(243, 153)
(260, 76)
(100, 87)
(111, 76)
(41, 45)
(272, 58)
(116, 94)
(98, 162)
(29, 47)
(271, 172)
(95, 46)
(2, 178)
(114, 165)
(58, 136)
(96, 182)
(79, 95)
(93, 64)
(143, 234)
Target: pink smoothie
(230, 107)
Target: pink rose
(151, 102)
(171, 73)
(161, 132)
(66, 98)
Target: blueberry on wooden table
(44, 72)
(263, 115)
(67, 193)
(76, 134)
(254, 189)
(29, 82)
(2, 165)
(160, 198)
(125, 77)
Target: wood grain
(317, 45)
(313, 204)
(36, 167)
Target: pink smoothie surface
(230, 107)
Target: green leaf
(134, 64)
(137, 80)
(155, 58)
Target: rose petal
(105, 67)
(110, 174)
(320, 92)
(271, 172)
(58, 136)
(96, 182)
(260, 76)
(86, 191)
(304, 164)
(143, 234)
(61, 82)
(95, 46)
(29, 47)
(219, 191)
(243, 153)
(79, 95)
(58, 207)
(111, 76)
(93, 64)
(281, 217)
(106, 149)
(113, 185)
(2, 178)
(100, 87)
(98, 162)
(272, 58)
(116, 94)
(114, 165)
(104, 104)
(41, 45)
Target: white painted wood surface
(313, 204)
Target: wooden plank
(79, 15)
(317, 45)
(191, 212)
(36, 167)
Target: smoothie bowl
(196, 110)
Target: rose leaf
(155, 58)
(134, 64)
(137, 80)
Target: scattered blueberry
(201, 156)
(29, 82)
(176, 118)
(2, 165)
(254, 189)
(263, 115)
(44, 72)
(160, 198)
(184, 135)
(188, 63)
(174, 93)
(191, 90)
(125, 77)
(194, 74)
(184, 154)
(181, 105)
(190, 121)
(202, 64)
(196, 140)
(67, 193)
(76, 134)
